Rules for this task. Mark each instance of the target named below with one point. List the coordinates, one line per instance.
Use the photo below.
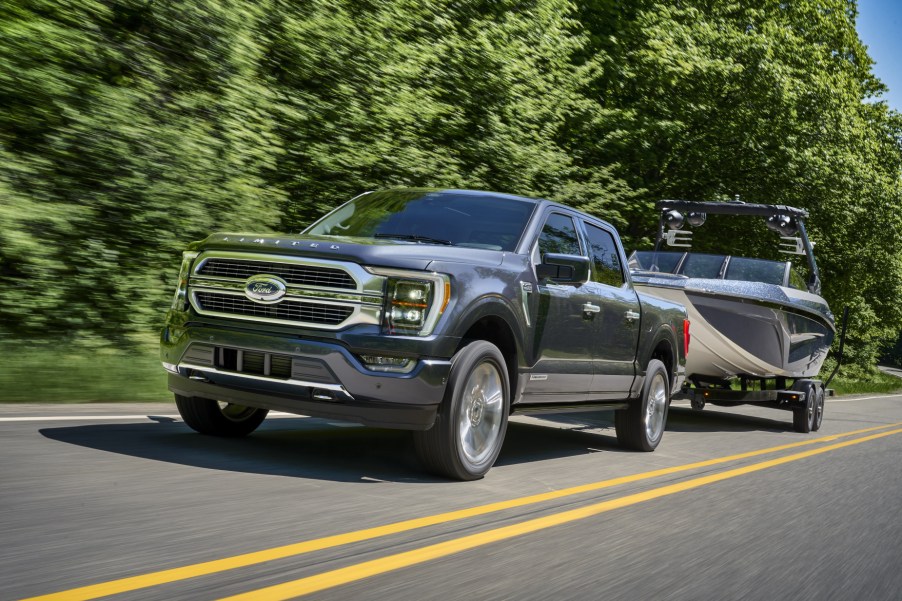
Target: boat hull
(743, 329)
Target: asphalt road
(128, 498)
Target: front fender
(494, 306)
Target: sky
(880, 28)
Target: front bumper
(317, 378)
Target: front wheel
(469, 428)
(218, 418)
(641, 426)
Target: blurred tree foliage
(130, 127)
(126, 130)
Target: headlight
(413, 300)
(180, 300)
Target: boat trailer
(804, 397)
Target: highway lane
(108, 496)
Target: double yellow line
(390, 563)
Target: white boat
(751, 318)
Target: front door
(615, 329)
(562, 340)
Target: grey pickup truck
(437, 311)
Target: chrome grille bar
(312, 313)
(301, 275)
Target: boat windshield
(733, 241)
(473, 220)
(702, 266)
(756, 270)
(726, 267)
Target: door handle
(590, 308)
(631, 315)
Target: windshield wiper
(414, 238)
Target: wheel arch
(664, 349)
(492, 320)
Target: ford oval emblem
(265, 288)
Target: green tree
(770, 101)
(438, 94)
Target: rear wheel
(803, 418)
(469, 429)
(641, 426)
(818, 408)
(218, 418)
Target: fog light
(392, 364)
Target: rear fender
(661, 334)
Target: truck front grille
(300, 275)
(296, 311)
(319, 293)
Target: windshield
(431, 217)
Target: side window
(605, 260)
(559, 236)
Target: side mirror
(564, 269)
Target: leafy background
(129, 128)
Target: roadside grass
(50, 374)
(876, 383)
(79, 375)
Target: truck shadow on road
(312, 448)
(323, 450)
(719, 419)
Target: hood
(364, 251)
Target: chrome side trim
(525, 291)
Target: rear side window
(559, 236)
(606, 266)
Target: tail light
(685, 337)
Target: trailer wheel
(641, 426)
(818, 408)
(803, 418)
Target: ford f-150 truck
(437, 311)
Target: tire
(217, 418)
(469, 428)
(803, 418)
(641, 426)
(818, 409)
